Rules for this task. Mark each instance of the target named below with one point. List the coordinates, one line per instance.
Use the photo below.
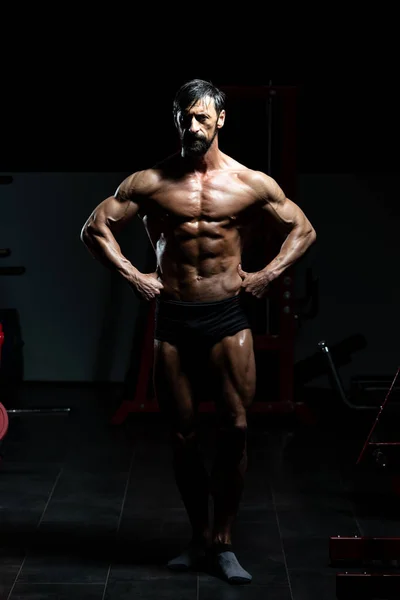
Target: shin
(192, 480)
(228, 479)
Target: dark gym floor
(89, 510)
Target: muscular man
(196, 206)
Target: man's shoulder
(255, 178)
(145, 182)
(251, 177)
(264, 186)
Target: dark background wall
(67, 151)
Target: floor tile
(313, 584)
(171, 588)
(61, 591)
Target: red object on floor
(3, 412)
(360, 549)
(3, 421)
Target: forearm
(295, 245)
(103, 246)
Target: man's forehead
(203, 105)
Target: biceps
(286, 214)
(113, 213)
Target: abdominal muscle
(197, 272)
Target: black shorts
(200, 323)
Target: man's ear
(176, 117)
(221, 119)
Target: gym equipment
(336, 380)
(360, 385)
(362, 550)
(4, 413)
(325, 358)
(3, 421)
(371, 439)
(366, 551)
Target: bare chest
(193, 200)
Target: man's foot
(190, 557)
(225, 560)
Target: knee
(184, 443)
(233, 420)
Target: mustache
(192, 137)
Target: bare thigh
(233, 364)
(172, 387)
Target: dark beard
(197, 145)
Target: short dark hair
(194, 90)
